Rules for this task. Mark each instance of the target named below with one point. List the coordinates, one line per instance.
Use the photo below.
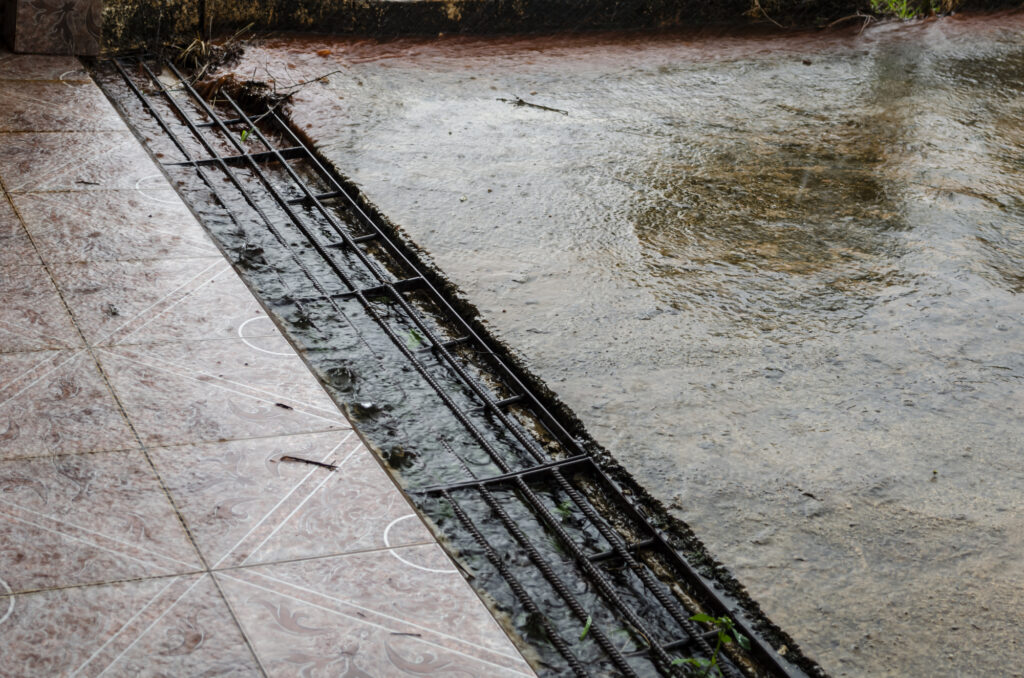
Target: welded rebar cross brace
(287, 153)
(506, 477)
(577, 476)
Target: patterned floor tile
(15, 246)
(35, 67)
(217, 390)
(72, 162)
(174, 626)
(112, 226)
(32, 315)
(86, 519)
(244, 505)
(127, 302)
(221, 308)
(396, 612)
(57, 402)
(206, 378)
(34, 106)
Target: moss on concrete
(133, 24)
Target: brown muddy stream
(779, 277)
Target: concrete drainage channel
(587, 575)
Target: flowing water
(779, 277)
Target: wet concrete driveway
(778, 277)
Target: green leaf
(703, 618)
(743, 641)
(413, 339)
(245, 135)
(586, 627)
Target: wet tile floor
(148, 525)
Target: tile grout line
(295, 510)
(161, 446)
(122, 628)
(144, 448)
(131, 426)
(146, 630)
(215, 570)
(56, 172)
(241, 629)
(283, 499)
(373, 623)
(265, 396)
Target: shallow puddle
(778, 277)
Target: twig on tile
(309, 461)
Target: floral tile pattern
(72, 161)
(171, 626)
(55, 26)
(34, 106)
(15, 247)
(160, 301)
(244, 505)
(35, 67)
(32, 314)
(130, 225)
(57, 402)
(112, 301)
(319, 618)
(87, 518)
(217, 390)
(150, 524)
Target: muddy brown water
(779, 277)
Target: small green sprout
(245, 135)
(586, 627)
(727, 633)
(413, 338)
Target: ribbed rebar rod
(441, 347)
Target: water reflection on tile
(174, 626)
(57, 402)
(244, 505)
(38, 67)
(217, 390)
(112, 225)
(201, 371)
(126, 301)
(87, 518)
(220, 308)
(32, 315)
(33, 106)
(72, 162)
(417, 618)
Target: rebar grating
(547, 535)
